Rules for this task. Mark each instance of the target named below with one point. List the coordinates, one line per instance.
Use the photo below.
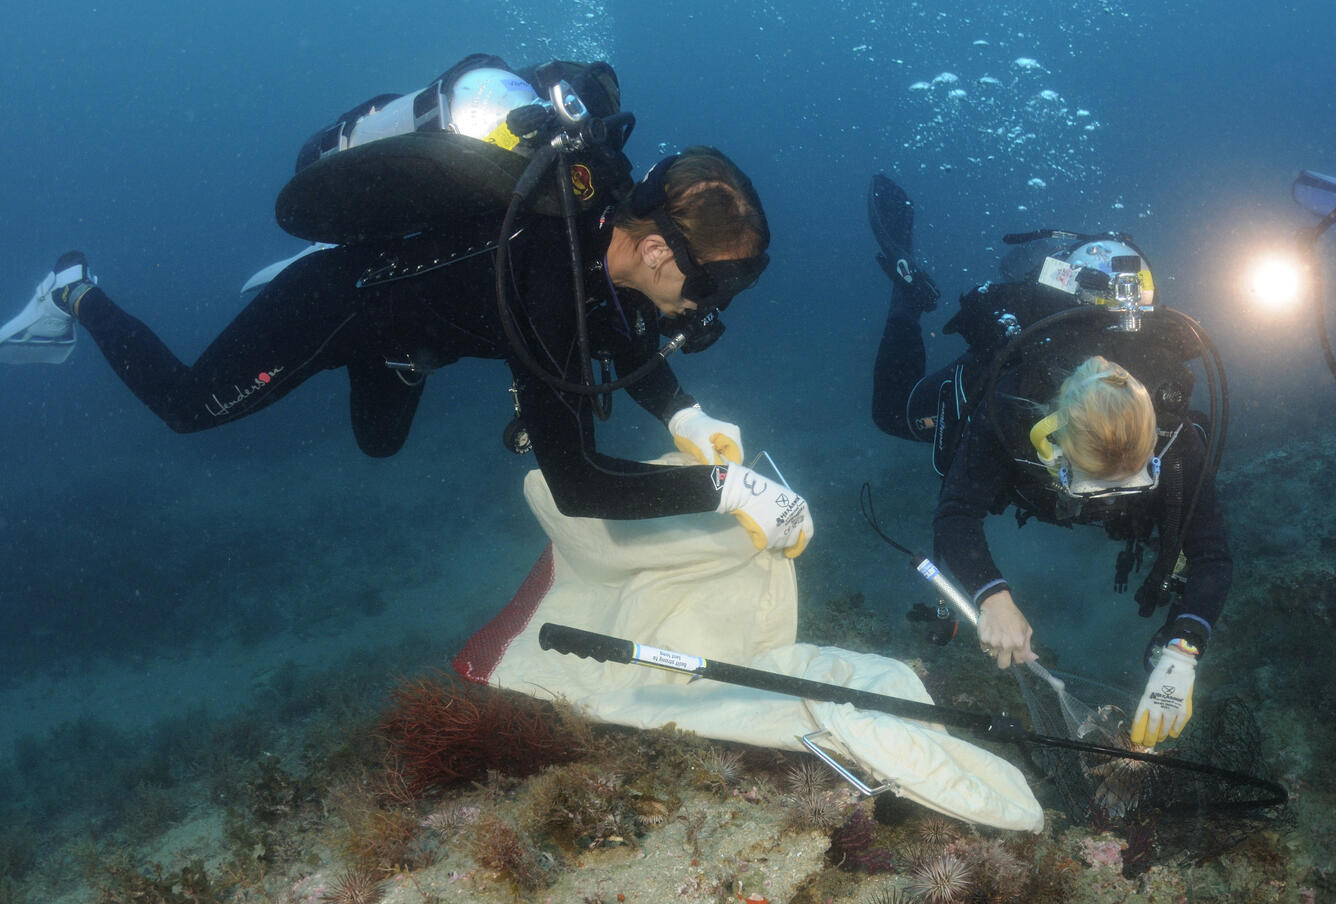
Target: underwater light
(1279, 282)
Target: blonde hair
(1108, 422)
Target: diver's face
(665, 289)
(649, 267)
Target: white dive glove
(774, 516)
(696, 433)
(1166, 705)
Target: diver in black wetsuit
(1078, 440)
(690, 237)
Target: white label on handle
(666, 659)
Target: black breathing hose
(542, 161)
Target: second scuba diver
(668, 254)
(1087, 424)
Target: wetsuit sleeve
(975, 480)
(1205, 544)
(588, 484)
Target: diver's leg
(382, 404)
(903, 401)
(298, 325)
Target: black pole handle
(565, 639)
(604, 648)
(585, 644)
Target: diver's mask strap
(697, 283)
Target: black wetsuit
(983, 476)
(314, 317)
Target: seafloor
(325, 789)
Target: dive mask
(711, 286)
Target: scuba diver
(415, 266)
(1070, 404)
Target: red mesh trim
(483, 651)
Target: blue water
(155, 137)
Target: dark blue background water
(155, 136)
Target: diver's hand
(1166, 704)
(774, 516)
(1004, 634)
(696, 433)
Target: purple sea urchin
(937, 830)
(997, 874)
(823, 810)
(718, 770)
(889, 894)
(450, 819)
(806, 777)
(354, 885)
(941, 880)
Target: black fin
(891, 215)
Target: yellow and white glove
(774, 516)
(1166, 705)
(696, 433)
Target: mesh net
(1203, 800)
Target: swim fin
(43, 332)
(891, 215)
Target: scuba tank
(474, 104)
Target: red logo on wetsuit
(222, 407)
(582, 181)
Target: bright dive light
(1278, 282)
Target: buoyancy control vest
(399, 164)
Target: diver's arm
(706, 439)
(1004, 631)
(972, 483)
(976, 478)
(588, 484)
(1206, 544)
